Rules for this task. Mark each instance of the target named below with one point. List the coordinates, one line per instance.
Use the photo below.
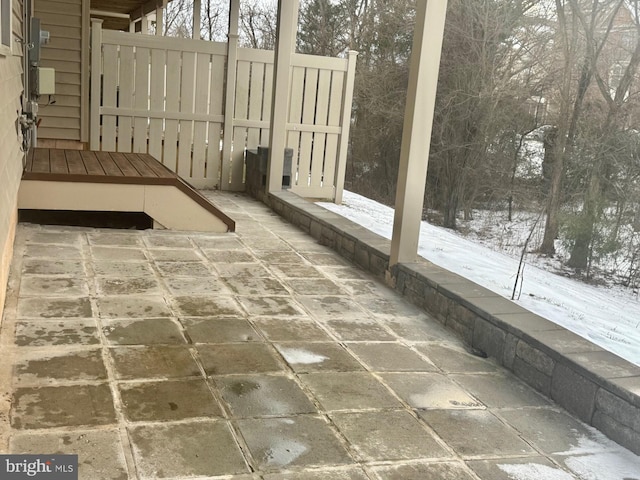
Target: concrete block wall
(11, 158)
(597, 386)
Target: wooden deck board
(41, 160)
(108, 165)
(58, 162)
(75, 163)
(43, 164)
(91, 163)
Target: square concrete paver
(510, 468)
(100, 452)
(130, 306)
(500, 391)
(270, 306)
(390, 357)
(455, 360)
(389, 435)
(331, 307)
(183, 269)
(44, 407)
(54, 307)
(168, 400)
(224, 359)
(117, 254)
(207, 306)
(429, 390)
(349, 390)
(53, 285)
(128, 286)
(180, 286)
(324, 474)
(38, 266)
(423, 471)
(277, 443)
(153, 331)
(261, 395)
(153, 362)
(314, 357)
(37, 367)
(552, 431)
(291, 329)
(186, 449)
(219, 330)
(256, 286)
(475, 432)
(36, 333)
(366, 330)
(106, 268)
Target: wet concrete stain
(74, 366)
(43, 407)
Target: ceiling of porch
(122, 7)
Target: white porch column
(161, 5)
(416, 133)
(197, 21)
(285, 46)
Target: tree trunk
(553, 155)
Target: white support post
(197, 19)
(144, 23)
(96, 71)
(347, 100)
(416, 133)
(285, 46)
(161, 5)
(230, 92)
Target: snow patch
(300, 356)
(534, 471)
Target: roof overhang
(117, 14)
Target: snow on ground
(608, 316)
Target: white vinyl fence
(176, 100)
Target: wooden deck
(52, 165)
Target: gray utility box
(260, 156)
(257, 166)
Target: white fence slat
(200, 128)
(330, 158)
(256, 89)
(187, 89)
(216, 102)
(343, 147)
(125, 99)
(156, 126)
(322, 108)
(141, 99)
(308, 115)
(170, 157)
(96, 68)
(109, 89)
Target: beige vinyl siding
(11, 156)
(63, 20)
(17, 27)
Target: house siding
(64, 21)
(11, 155)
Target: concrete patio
(258, 355)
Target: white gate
(166, 97)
